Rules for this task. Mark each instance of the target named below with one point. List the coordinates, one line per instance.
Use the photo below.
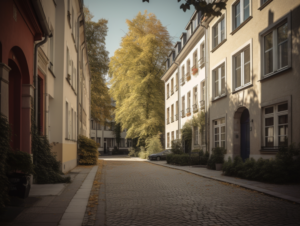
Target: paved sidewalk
(48, 203)
(290, 192)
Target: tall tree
(98, 58)
(135, 71)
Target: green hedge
(177, 159)
(88, 153)
(285, 168)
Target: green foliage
(135, 71)
(187, 134)
(176, 147)
(209, 9)
(133, 152)
(88, 153)
(178, 159)
(199, 120)
(46, 167)
(5, 148)
(216, 157)
(153, 145)
(19, 161)
(285, 168)
(96, 33)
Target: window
(99, 141)
(195, 63)
(183, 107)
(172, 113)
(72, 129)
(168, 115)
(176, 86)
(176, 116)
(182, 75)
(177, 134)
(202, 55)
(168, 92)
(241, 12)
(122, 142)
(218, 32)
(188, 68)
(195, 135)
(241, 62)
(168, 139)
(195, 99)
(275, 50)
(67, 120)
(219, 133)
(51, 47)
(203, 136)
(219, 81)
(275, 125)
(188, 109)
(202, 102)
(68, 63)
(172, 137)
(172, 86)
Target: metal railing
(188, 76)
(182, 114)
(188, 110)
(182, 81)
(176, 117)
(202, 104)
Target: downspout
(78, 74)
(207, 82)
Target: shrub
(88, 152)
(285, 168)
(216, 157)
(153, 145)
(133, 152)
(178, 159)
(176, 147)
(143, 154)
(203, 157)
(5, 148)
(46, 167)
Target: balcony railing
(182, 114)
(188, 112)
(202, 104)
(182, 81)
(188, 76)
(176, 117)
(202, 62)
(195, 108)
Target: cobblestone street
(140, 193)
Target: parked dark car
(160, 156)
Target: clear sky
(117, 11)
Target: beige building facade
(63, 63)
(252, 78)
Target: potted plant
(218, 153)
(194, 70)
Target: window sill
(241, 25)
(71, 86)
(218, 98)
(70, 140)
(265, 4)
(275, 73)
(217, 47)
(242, 88)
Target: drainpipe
(78, 74)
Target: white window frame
(196, 135)
(219, 126)
(248, 43)
(67, 120)
(218, 66)
(275, 116)
(266, 31)
(234, 27)
(195, 95)
(218, 23)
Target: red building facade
(20, 29)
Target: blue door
(245, 135)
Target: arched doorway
(245, 134)
(15, 87)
